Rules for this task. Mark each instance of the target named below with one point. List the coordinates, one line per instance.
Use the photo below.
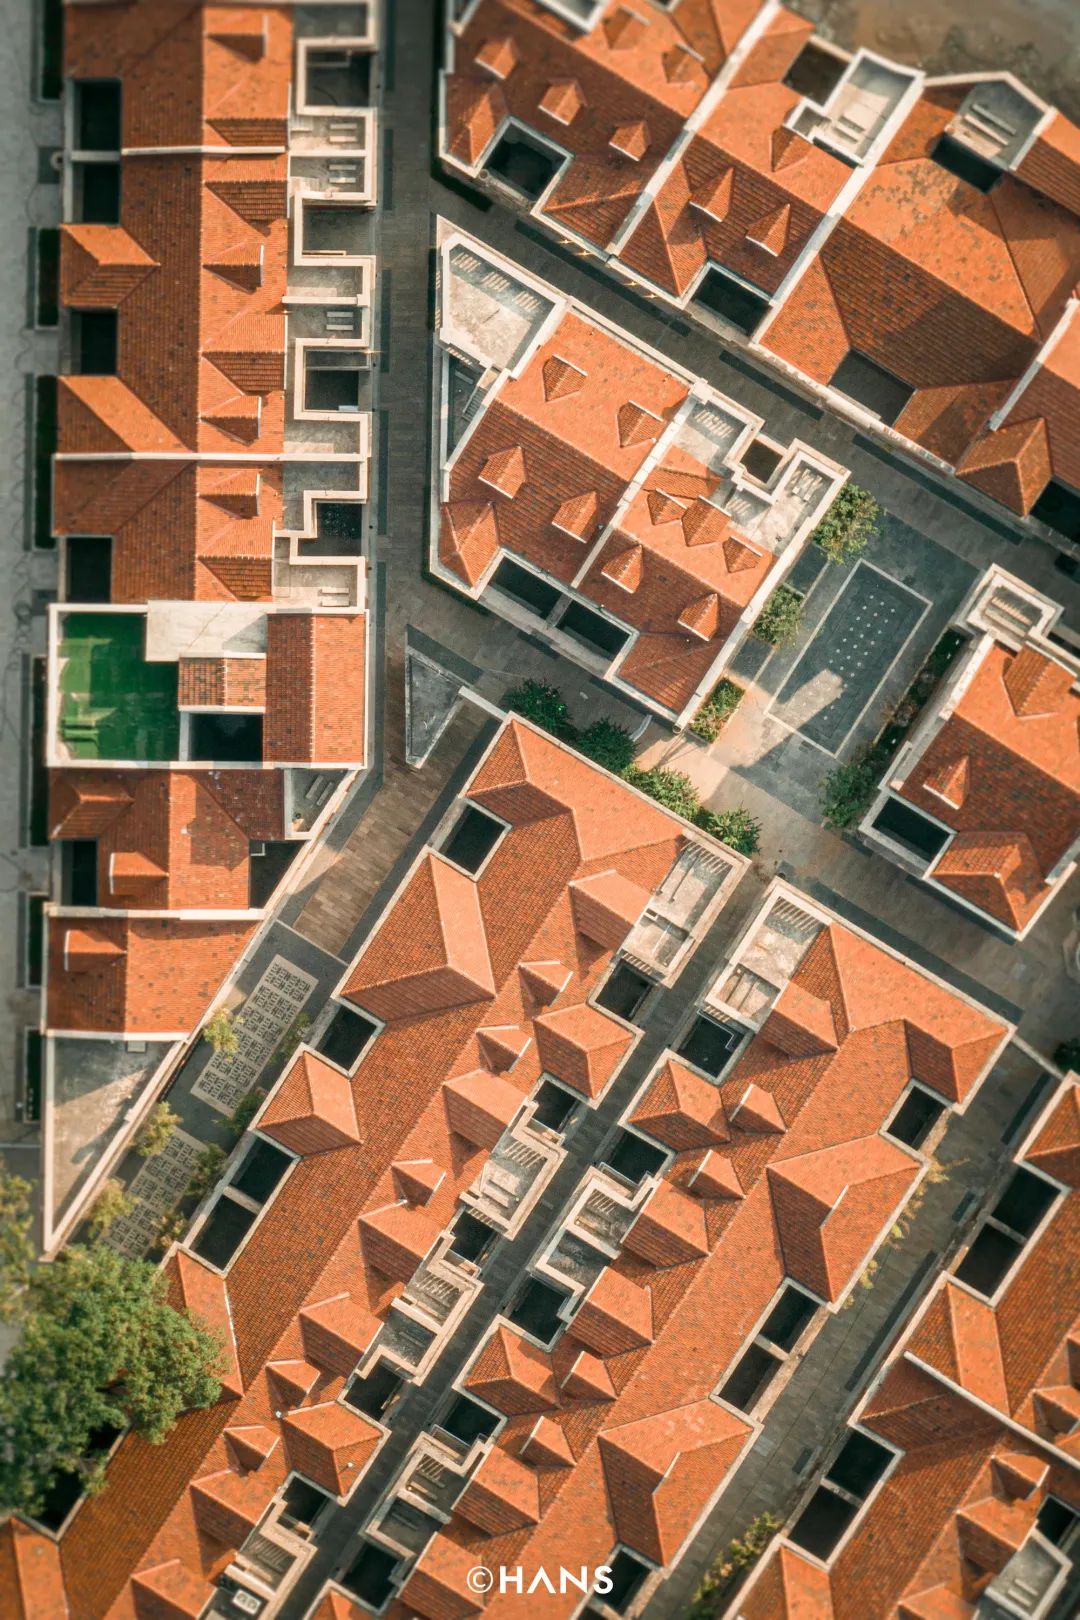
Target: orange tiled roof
(315, 680)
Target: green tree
(157, 1131)
(779, 620)
(111, 1204)
(100, 1348)
(609, 744)
(222, 1033)
(16, 1244)
(544, 705)
(735, 827)
(849, 524)
(848, 791)
(673, 789)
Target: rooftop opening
(627, 1575)
(822, 1522)
(525, 162)
(871, 386)
(270, 860)
(710, 1044)
(593, 631)
(554, 1105)
(373, 1392)
(624, 992)
(859, 1464)
(301, 1505)
(225, 1229)
(1020, 1209)
(329, 230)
(753, 1373)
(472, 838)
(989, 1260)
(815, 72)
(1057, 1522)
(339, 530)
(334, 380)
(89, 567)
(96, 194)
(79, 871)
(65, 1489)
(347, 1035)
(526, 587)
(788, 1317)
(94, 342)
(909, 827)
(631, 1157)
(915, 1118)
(97, 115)
(371, 1575)
(761, 459)
(965, 164)
(536, 1310)
(735, 303)
(471, 1237)
(227, 737)
(1024, 1202)
(466, 1420)
(262, 1169)
(1059, 508)
(338, 78)
(113, 703)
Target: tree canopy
(16, 1243)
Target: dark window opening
(724, 296)
(536, 1310)
(553, 1105)
(761, 459)
(50, 80)
(988, 1260)
(96, 194)
(859, 1465)
(472, 838)
(94, 342)
(624, 992)
(89, 567)
(47, 285)
(752, 1375)
(35, 939)
(526, 587)
(627, 1576)
(871, 386)
(525, 163)
(907, 826)
(97, 115)
(822, 1522)
(472, 1237)
(788, 1317)
(301, 1504)
(35, 1059)
(965, 164)
(45, 392)
(330, 232)
(333, 387)
(262, 1170)
(631, 1157)
(1059, 508)
(347, 1035)
(466, 1420)
(269, 861)
(339, 530)
(338, 78)
(595, 632)
(710, 1044)
(232, 737)
(373, 1393)
(370, 1576)
(1056, 1521)
(1024, 1202)
(815, 72)
(226, 1228)
(79, 872)
(915, 1118)
(39, 774)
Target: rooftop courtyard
(113, 704)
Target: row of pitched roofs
(686, 146)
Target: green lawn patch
(115, 705)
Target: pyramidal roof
(682, 1110)
(312, 1110)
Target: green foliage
(157, 1131)
(779, 620)
(740, 1554)
(849, 524)
(544, 705)
(293, 1035)
(610, 745)
(16, 1244)
(112, 1204)
(717, 709)
(245, 1111)
(207, 1168)
(847, 792)
(735, 827)
(100, 1348)
(222, 1033)
(1067, 1056)
(673, 789)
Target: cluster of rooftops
(910, 247)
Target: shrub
(157, 1131)
(16, 1244)
(610, 745)
(293, 1035)
(850, 522)
(207, 1166)
(1067, 1056)
(735, 827)
(779, 620)
(740, 1554)
(222, 1033)
(112, 1204)
(245, 1111)
(544, 705)
(673, 789)
(718, 707)
(848, 791)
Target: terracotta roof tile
(512, 1375)
(331, 1444)
(501, 1496)
(581, 1045)
(616, 1315)
(315, 680)
(480, 1106)
(311, 1109)
(682, 1110)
